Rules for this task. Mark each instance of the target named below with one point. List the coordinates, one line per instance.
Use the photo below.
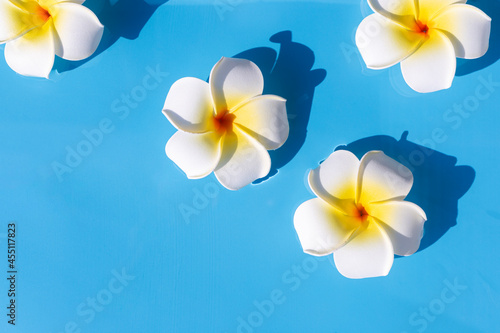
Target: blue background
(199, 258)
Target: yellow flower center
(361, 213)
(223, 122)
(421, 27)
(39, 14)
(42, 13)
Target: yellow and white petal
(321, 228)
(335, 180)
(470, 28)
(243, 160)
(196, 154)
(13, 21)
(368, 254)
(78, 29)
(432, 67)
(404, 223)
(233, 81)
(427, 9)
(402, 12)
(264, 117)
(188, 105)
(33, 53)
(381, 178)
(383, 43)
(48, 3)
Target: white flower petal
(196, 154)
(404, 223)
(432, 67)
(381, 178)
(402, 12)
(78, 29)
(335, 180)
(243, 160)
(188, 105)
(48, 3)
(469, 28)
(13, 21)
(33, 53)
(233, 81)
(383, 43)
(368, 254)
(321, 228)
(264, 117)
(394, 7)
(427, 9)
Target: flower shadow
(438, 182)
(121, 19)
(288, 74)
(492, 9)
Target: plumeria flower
(425, 36)
(36, 30)
(360, 216)
(225, 125)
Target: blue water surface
(112, 237)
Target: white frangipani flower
(360, 215)
(425, 36)
(226, 125)
(36, 30)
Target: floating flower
(425, 36)
(360, 215)
(35, 31)
(225, 125)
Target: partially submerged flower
(425, 36)
(360, 215)
(225, 125)
(37, 30)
